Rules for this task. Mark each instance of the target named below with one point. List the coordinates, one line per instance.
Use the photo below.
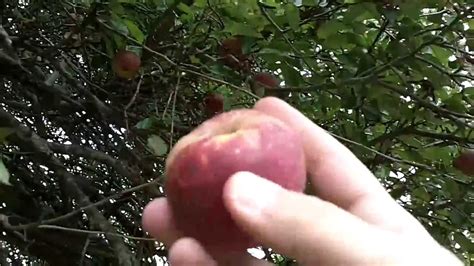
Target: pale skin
(353, 220)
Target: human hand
(351, 221)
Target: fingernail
(252, 195)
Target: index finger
(336, 173)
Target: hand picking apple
(200, 164)
(237, 182)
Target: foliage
(391, 79)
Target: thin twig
(424, 103)
(75, 230)
(134, 97)
(78, 211)
(439, 68)
(167, 59)
(148, 49)
(221, 82)
(397, 160)
(173, 111)
(379, 35)
(374, 71)
(315, 17)
(273, 22)
(84, 250)
(168, 102)
(28, 138)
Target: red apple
(232, 46)
(126, 64)
(465, 162)
(199, 165)
(214, 104)
(232, 54)
(263, 82)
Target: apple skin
(199, 165)
(126, 64)
(214, 104)
(465, 162)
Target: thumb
(306, 228)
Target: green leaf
(356, 39)
(442, 54)
(292, 76)
(116, 7)
(119, 25)
(185, 8)
(236, 28)
(361, 12)
(200, 3)
(4, 174)
(293, 16)
(453, 188)
(270, 51)
(456, 103)
(438, 154)
(4, 133)
(135, 31)
(397, 192)
(456, 217)
(464, 242)
(338, 41)
(469, 91)
(157, 145)
(411, 9)
(310, 2)
(470, 23)
(109, 47)
(422, 194)
(146, 123)
(437, 79)
(330, 28)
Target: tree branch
(379, 35)
(93, 155)
(441, 111)
(28, 138)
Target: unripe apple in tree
(465, 162)
(199, 165)
(214, 104)
(126, 64)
